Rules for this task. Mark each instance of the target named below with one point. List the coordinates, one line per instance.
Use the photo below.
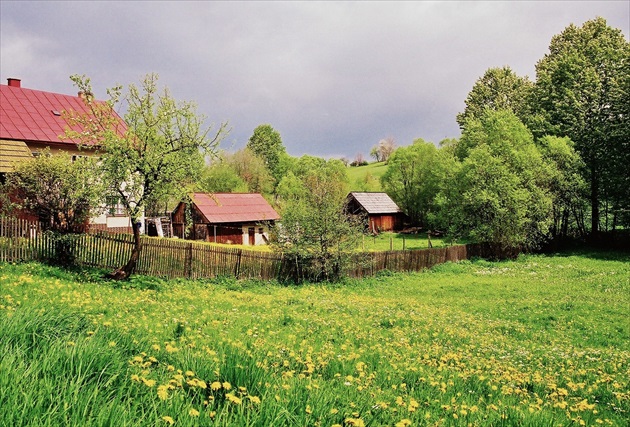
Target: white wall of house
(259, 237)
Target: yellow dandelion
(162, 392)
(254, 399)
(215, 386)
(403, 423)
(193, 412)
(232, 398)
(168, 420)
(227, 385)
(308, 409)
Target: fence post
(237, 268)
(188, 261)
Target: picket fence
(22, 240)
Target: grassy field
(540, 341)
(366, 178)
(397, 242)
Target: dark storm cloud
(332, 77)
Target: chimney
(14, 82)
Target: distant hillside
(366, 178)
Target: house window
(114, 207)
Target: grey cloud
(332, 77)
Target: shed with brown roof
(380, 211)
(233, 218)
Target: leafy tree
(582, 92)
(266, 143)
(497, 89)
(221, 177)
(242, 171)
(62, 193)
(414, 176)
(160, 149)
(383, 150)
(566, 185)
(500, 193)
(314, 228)
(252, 170)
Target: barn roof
(36, 116)
(376, 203)
(221, 208)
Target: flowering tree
(159, 148)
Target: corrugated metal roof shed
(221, 208)
(376, 203)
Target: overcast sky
(332, 77)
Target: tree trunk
(126, 271)
(594, 202)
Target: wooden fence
(22, 240)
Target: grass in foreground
(537, 341)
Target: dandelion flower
(168, 420)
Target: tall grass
(543, 340)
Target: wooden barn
(232, 218)
(381, 212)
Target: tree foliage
(497, 89)
(383, 150)
(161, 148)
(315, 229)
(583, 92)
(500, 193)
(62, 193)
(267, 144)
(414, 176)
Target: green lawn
(540, 341)
(397, 242)
(366, 178)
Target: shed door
(251, 231)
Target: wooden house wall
(385, 222)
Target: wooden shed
(381, 212)
(232, 218)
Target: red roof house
(226, 218)
(31, 120)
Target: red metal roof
(221, 208)
(35, 116)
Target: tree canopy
(161, 150)
(497, 89)
(267, 144)
(583, 92)
(62, 193)
(500, 193)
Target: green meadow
(368, 177)
(538, 341)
